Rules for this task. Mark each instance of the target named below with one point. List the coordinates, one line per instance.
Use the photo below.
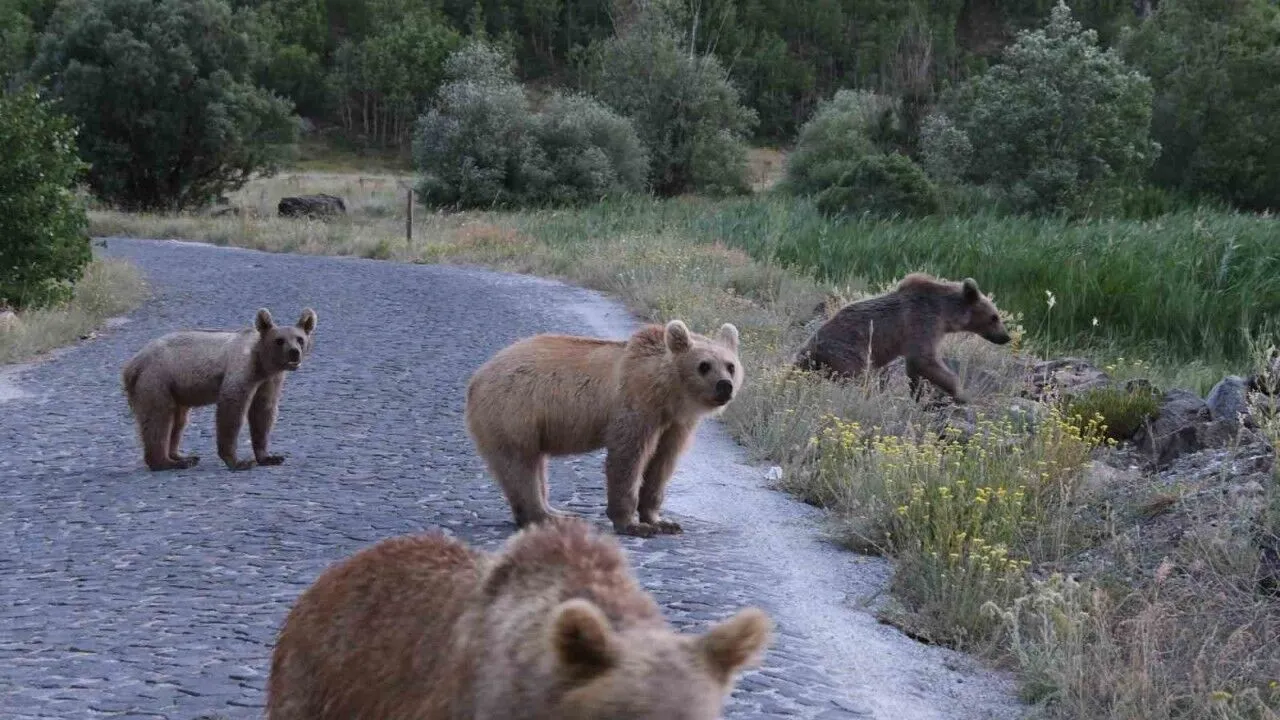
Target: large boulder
(1064, 377)
(1229, 400)
(1184, 425)
(318, 205)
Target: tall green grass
(1191, 286)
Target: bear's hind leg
(524, 483)
(155, 425)
(175, 438)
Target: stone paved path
(129, 594)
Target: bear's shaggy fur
(243, 372)
(909, 321)
(554, 625)
(641, 398)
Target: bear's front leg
(658, 472)
(228, 418)
(262, 417)
(936, 372)
(630, 443)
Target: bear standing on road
(641, 398)
(243, 372)
(909, 321)
(554, 625)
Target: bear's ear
(971, 292)
(307, 323)
(582, 638)
(263, 320)
(677, 337)
(727, 336)
(735, 643)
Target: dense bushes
(482, 145)
(1055, 117)
(848, 156)
(687, 112)
(44, 243)
(843, 130)
(882, 185)
(170, 116)
(1214, 65)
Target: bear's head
(981, 316)
(283, 347)
(709, 368)
(648, 673)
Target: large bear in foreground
(641, 398)
(910, 321)
(552, 626)
(243, 372)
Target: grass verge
(979, 506)
(108, 288)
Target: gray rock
(1228, 400)
(1065, 377)
(318, 205)
(1183, 425)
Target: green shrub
(882, 185)
(1121, 410)
(591, 151)
(170, 117)
(482, 145)
(44, 240)
(1213, 64)
(843, 130)
(687, 112)
(475, 147)
(945, 150)
(1055, 116)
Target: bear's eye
(995, 318)
(280, 341)
(729, 367)
(704, 367)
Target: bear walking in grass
(554, 625)
(641, 398)
(243, 372)
(910, 321)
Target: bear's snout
(295, 355)
(724, 391)
(999, 338)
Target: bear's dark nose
(295, 355)
(724, 391)
(999, 338)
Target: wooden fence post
(408, 223)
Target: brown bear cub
(640, 398)
(909, 321)
(554, 625)
(243, 372)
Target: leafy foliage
(44, 243)
(687, 112)
(384, 80)
(591, 151)
(1057, 115)
(852, 125)
(882, 185)
(1214, 65)
(169, 113)
(482, 145)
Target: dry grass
(1199, 643)
(110, 287)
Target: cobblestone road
(129, 594)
